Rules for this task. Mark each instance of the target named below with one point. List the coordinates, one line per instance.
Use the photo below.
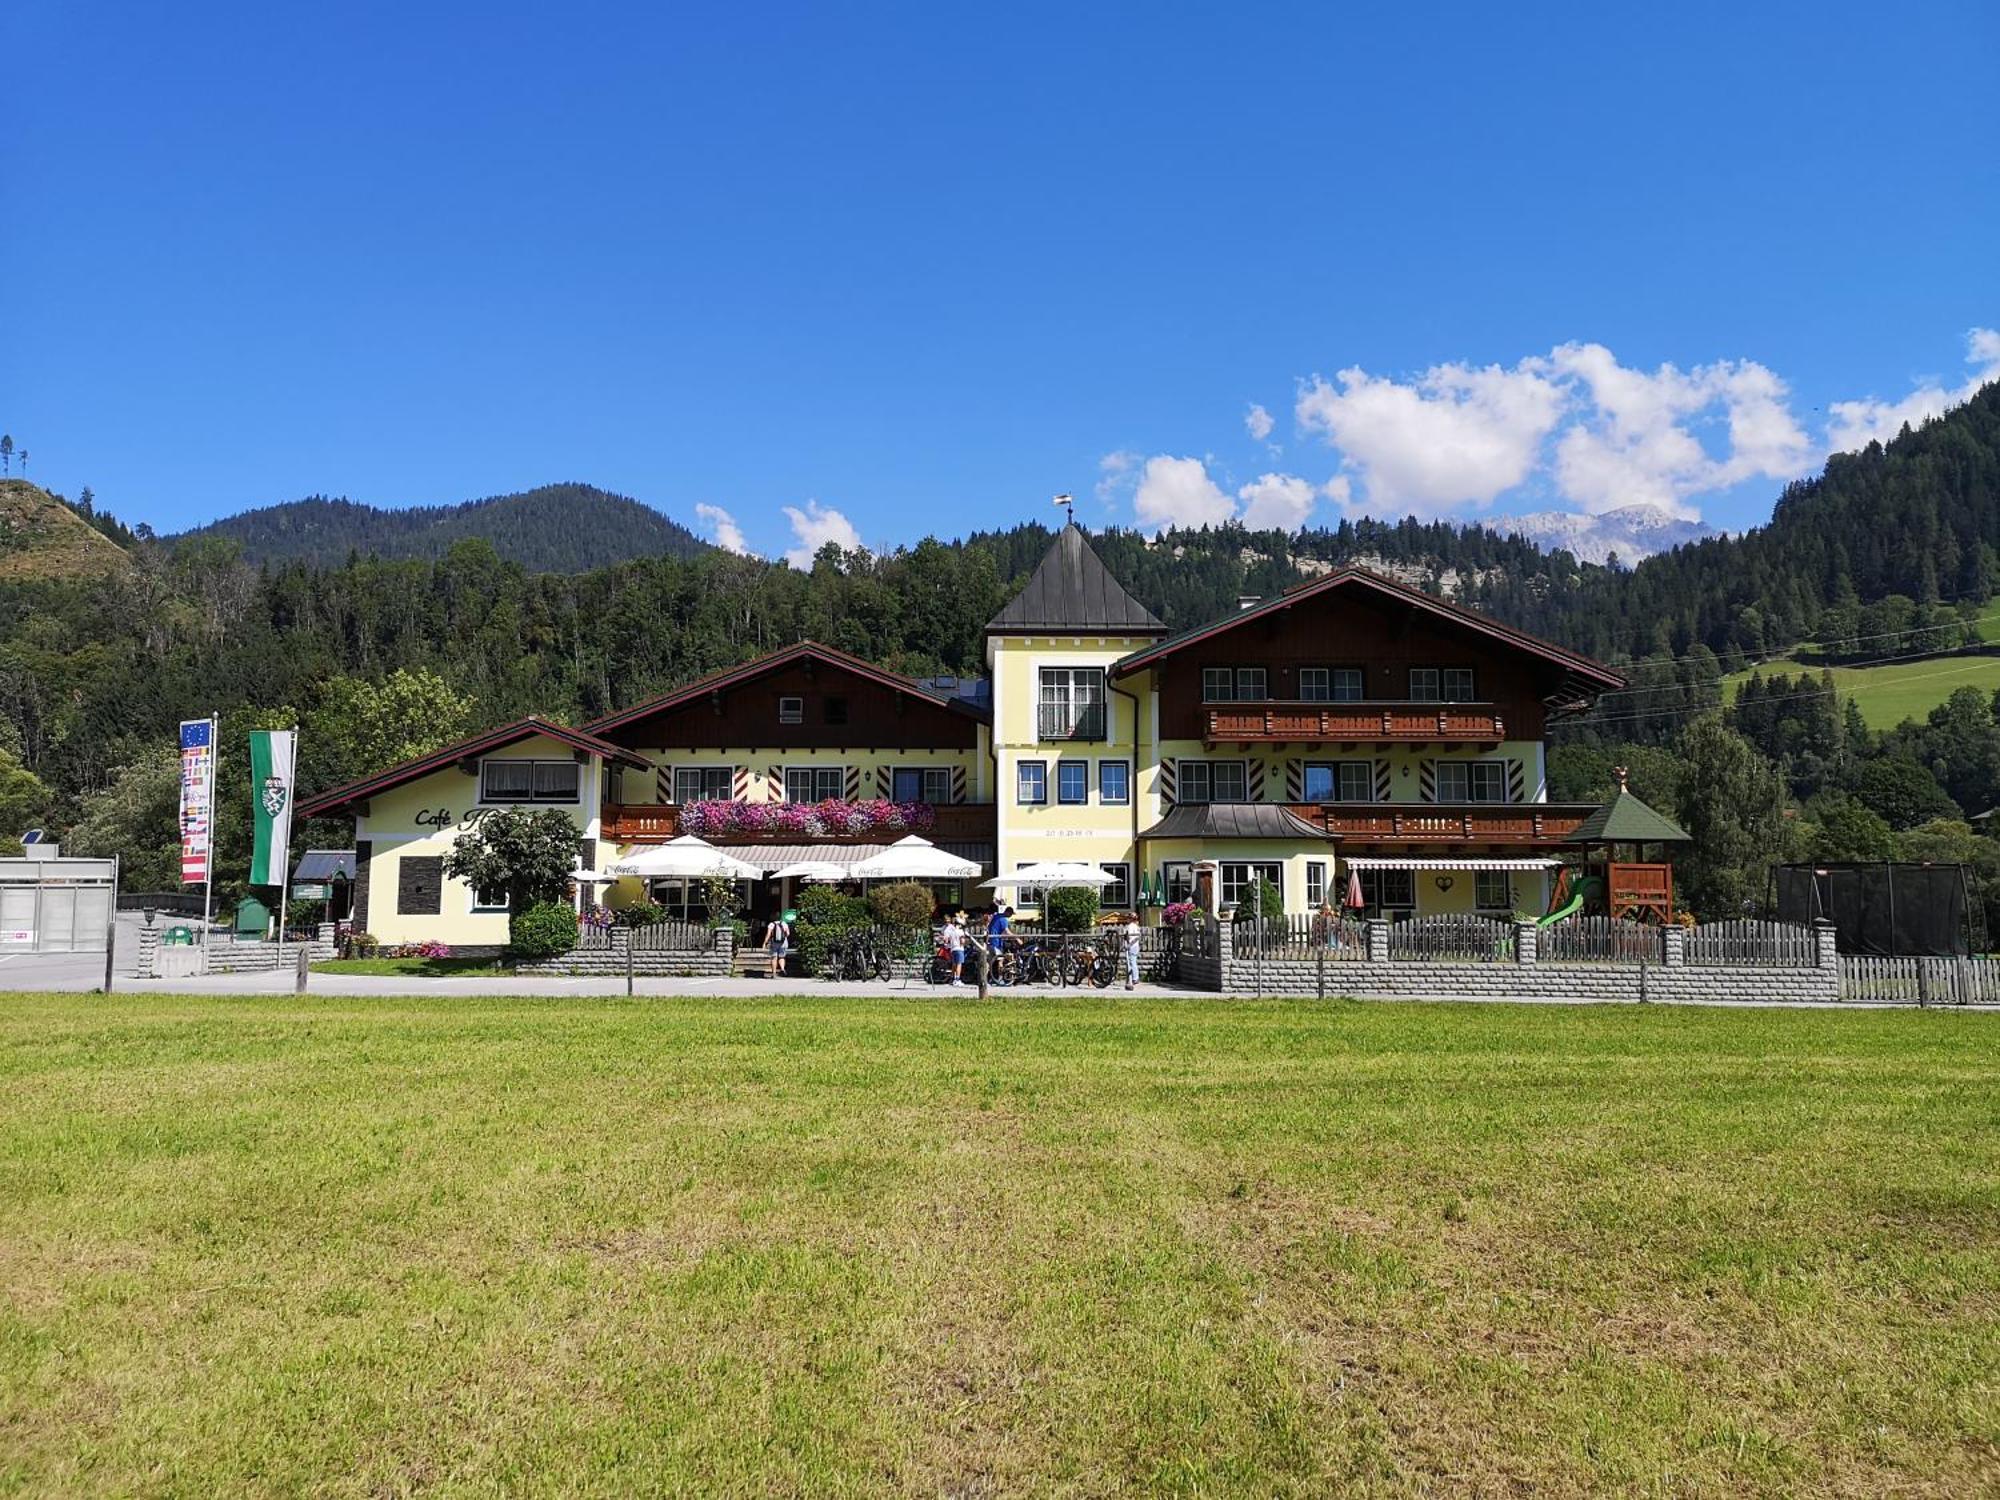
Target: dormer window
(835, 710)
(791, 710)
(1234, 684)
(528, 780)
(1442, 685)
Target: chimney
(1247, 601)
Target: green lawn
(1895, 692)
(421, 968)
(824, 1247)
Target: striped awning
(777, 856)
(1463, 862)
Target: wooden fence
(654, 937)
(1300, 937)
(1452, 940)
(1604, 940)
(1778, 945)
(1920, 981)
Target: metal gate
(56, 905)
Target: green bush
(639, 914)
(1069, 908)
(357, 944)
(905, 904)
(545, 930)
(824, 915)
(1262, 899)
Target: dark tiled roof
(325, 864)
(1627, 820)
(1071, 590)
(1234, 820)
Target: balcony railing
(1374, 722)
(1070, 721)
(1454, 823)
(656, 822)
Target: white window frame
(1105, 795)
(1495, 772)
(705, 772)
(534, 766)
(1316, 891)
(838, 773)
(477, 908)
(791, 709)
(1241, 874)
(1042, 775)
(1071, 692)
(1062, 797)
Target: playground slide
(1584, 890)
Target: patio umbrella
(684, 858)
(822, 871)
(1355, 900)
(1055, 872)
(913, 858)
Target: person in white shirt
(1131, 932)
(954, 944)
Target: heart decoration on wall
(1444, 882)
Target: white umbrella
(1056, 872)
(823, 871)
(685, 858)
(913, 858)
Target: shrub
(430, 948)
(824, 915)
(355, 944)
(1178, 912)
(545, 930)
(905, 904)
(1262, 900)
(639, 914)
(1069, 908)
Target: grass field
(819, 1247)
(1892, 693)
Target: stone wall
(1521, 977)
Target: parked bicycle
(858, 956)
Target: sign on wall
(197, 799)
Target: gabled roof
(1234, 820)
(1627, 820)
(1591, 673)
(478, 744)
(1072, 592)
(771, 661)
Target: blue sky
(877, 272)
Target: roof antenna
(1068, 502)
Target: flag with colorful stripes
(197, 799)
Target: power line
(1682, 711)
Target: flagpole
(208, 885)
(284, 875)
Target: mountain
(559, 528)
(42, 538)
(1631, 532)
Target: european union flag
(194, 734)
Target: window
(930, 784)
(1119, 894)
(1031, 782)
(791, 710)
(1072, 703)
(1073, 781)
(703, 783)
(1233, 684)
(1315, 883)
(1442, 685)
(1315, 684)
(1389, 890)
(1492, 890)
(1114, 783)
(1471, 780)
(1180, 879)
(419, 885)
(1339, 781)
(1349, 686)
(528, 780)
(835, 710)
(1213, 781)
(489, 899)
(815, 783)
(1238, 875)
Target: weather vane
(1068, 502)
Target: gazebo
(1625, 845)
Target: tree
(1732, 801)
(23, 455)
(137, 818)
(86, 503)
(528, 853)
(359, 727)
(6, 452)
(24, 801)
(1842, 828)
(1070, 908)
(1903, 792)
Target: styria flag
(271, 755)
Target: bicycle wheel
(1073, 967)
(880, 965)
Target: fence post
(304, 968)
(979, 965)
(1320, 959)
(1923, 981)
(1378, 940)
(1643, 996)
(628, 964)
(149, 951)
(1673, 947)
(1828, 951)
(1527, 944)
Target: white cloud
(813, 528)
(1178, 492)
(1454, 436)
(728, 535)
(1257, 422)
(1855, 424)
(1116, 473)
(1277, 502)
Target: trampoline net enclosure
(1900, 910)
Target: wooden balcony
(1275, 722)
(1537, 823)
(656, 822)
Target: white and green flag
(271, 754)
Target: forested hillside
(1890, 554)
(558, 528)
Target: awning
(1463, 862)
(776, 856)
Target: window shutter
(1427, 780)
(663, 782)
(1169, 779)
(1384, 787)
(364, 860)
(1295, 780)
(1517, 781)
(420, 885)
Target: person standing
(777, 944)
(954, 947)
(1131, 933)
